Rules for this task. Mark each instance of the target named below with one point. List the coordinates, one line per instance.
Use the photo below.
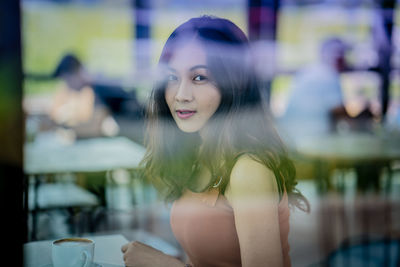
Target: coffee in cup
(73, 252)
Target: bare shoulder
(249, 177)
(87, 91)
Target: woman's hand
(139, 254)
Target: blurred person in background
(316, 103)
(76, 106)
(213, 151)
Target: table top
(351, 147)
(50, 155)
(107, 251)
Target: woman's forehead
(188, 55)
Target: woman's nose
(184, 93)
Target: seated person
(316, 103)
(75, 104)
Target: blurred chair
(361, 232)
(362, 252)
(46, 195)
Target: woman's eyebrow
(171, 69)
(198, 67)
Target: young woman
(212, 149)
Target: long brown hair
(242, 123)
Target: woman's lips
(185, 113)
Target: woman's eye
(199, 78)
(171, 77)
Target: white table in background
(51, 155)
(349, 151)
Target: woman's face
(191, 95)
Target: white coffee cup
(72, 252)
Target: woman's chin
(187, 128)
